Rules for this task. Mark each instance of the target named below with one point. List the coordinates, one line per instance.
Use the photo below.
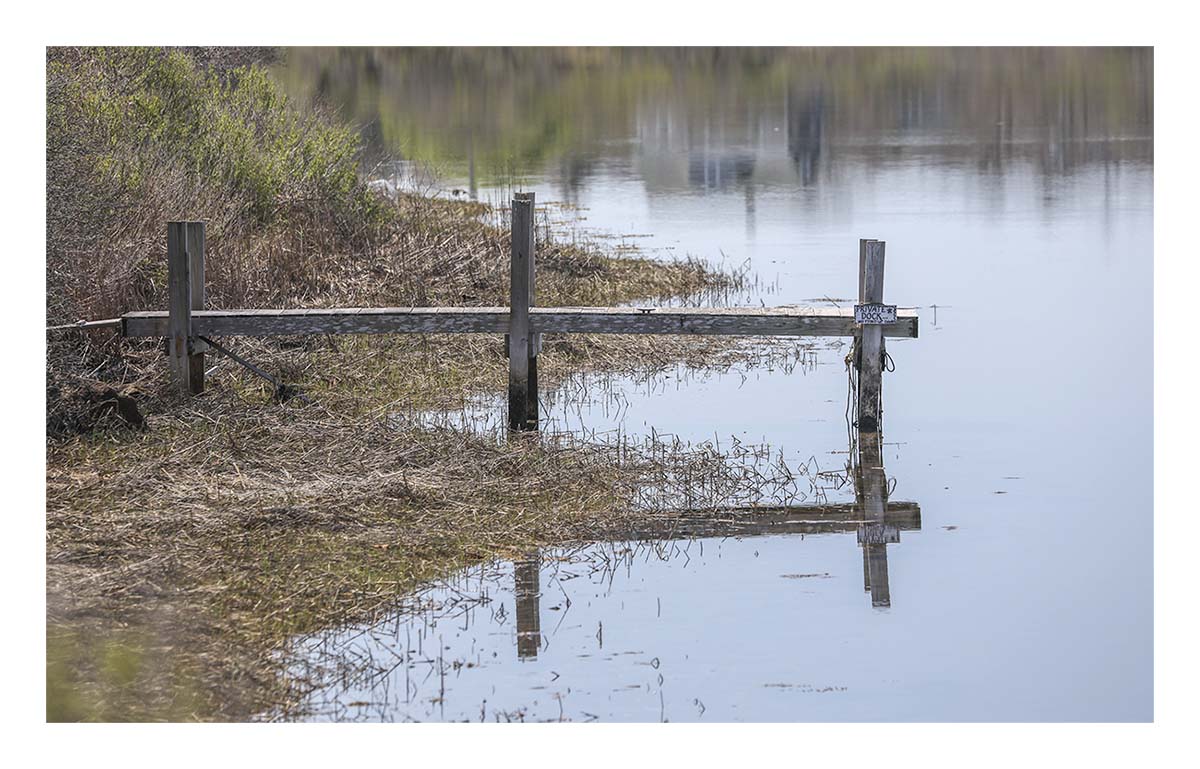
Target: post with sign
(871, 315)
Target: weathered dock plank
(775, 321)
(346, 320)
(778, 321)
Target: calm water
(1014, 190)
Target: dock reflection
(413, 662)
(875, 519)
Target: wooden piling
(194, 241)
(520, 297)
(856, 346)
(870, 364)
(535, 338)
(185, 289)
(180, 304)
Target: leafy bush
(140, 107)
(140, 136)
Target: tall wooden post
(522, 351)
(856, 350)
(870, 364)
(874, 534)
(535, 338)
(185, 289)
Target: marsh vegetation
(181, 556)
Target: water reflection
(877, 523)
(805, 118)
(1000, 176)
(716, 119)
(449, 648)
(875, 532)
(719, 171)
(528, 596)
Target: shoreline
(181, 556)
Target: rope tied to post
(83, 324)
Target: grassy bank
(181, 557)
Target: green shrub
(140, 108)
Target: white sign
(878, 534)
(874, 314)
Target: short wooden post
(195, 248)
(179, 290)
(520, 351)
(870, 364)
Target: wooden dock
(190, 328)
(188, 323)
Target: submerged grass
(231, 526)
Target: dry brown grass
(192, 552)
(434, 252)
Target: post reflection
(528, 595)
(875, 532)
(876, 520)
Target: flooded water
(1015, 193)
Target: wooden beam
(775, 321)
(346, 320)
(778, 321)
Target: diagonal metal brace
(283, 391)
